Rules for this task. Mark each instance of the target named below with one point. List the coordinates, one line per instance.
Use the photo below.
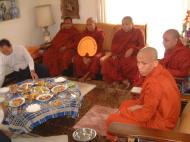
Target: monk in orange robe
(88, 67)
(177, 56)
(59, 56)
(159, 104)
(125, 45)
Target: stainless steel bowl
(84, 134)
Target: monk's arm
(152, 96)
(140, 42)
(183, 68)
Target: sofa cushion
(109, 31)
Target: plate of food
(40, 90)
(56, 103)
(59, 88)
(25, 87)
(16, 102)
(44, 97)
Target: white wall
(24, 31)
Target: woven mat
(95, 118)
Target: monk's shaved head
(170, 39)
(150, 53)
(174, 33)
(91, 24)
(147, 60)
(90, 20)
(127, 18)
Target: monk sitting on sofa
(159, 104)
(121, 65)
(59, 56)
(86, 67)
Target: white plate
(1, 115)
(33, 108)
(136, 90)
(13, 102)
(55, 91)
(4, 90)
(25, 86)
(44, 97)
(60, 79)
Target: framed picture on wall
(8, 10)
(70, 8)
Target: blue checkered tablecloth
(21, 121)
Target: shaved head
(90, 20)
(91, 24)
(174, 33)
(150, 53)
(147, 60)
(170, 39)
(127, 18)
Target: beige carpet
(60, 138)
(95, 118)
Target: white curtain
(101, 11)
(159, 15)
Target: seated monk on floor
(86, 67)
(121, 66)
(59, 56)
(159, 104)
(177, 56)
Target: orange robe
(160, 98)
(177, 60)
(80, 68)
(121, 68)
(54, 59)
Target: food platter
(56, 103)
(25, 87)
(44, 97)
(59, 88)
(16, 102)
(40, 90)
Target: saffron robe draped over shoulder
(160, 100)
(56, 60)
(177, 60)
(94, 66)
(121, 67)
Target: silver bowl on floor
(84, 134)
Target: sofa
(181, 133)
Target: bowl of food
(44, 97)
(16, 102)
(84, 134)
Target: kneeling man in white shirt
(19, 60)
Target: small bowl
(4, 90)
(84, 134)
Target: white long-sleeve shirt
(19, 59)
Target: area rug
(95, 118)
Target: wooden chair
(181, 133)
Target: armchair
(180, 133)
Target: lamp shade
(44, 17)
